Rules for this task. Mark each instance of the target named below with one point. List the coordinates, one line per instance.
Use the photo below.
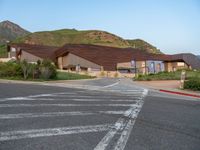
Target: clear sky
(171, 25)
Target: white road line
(50, 94)
(119, 125)
(30, 99)
(64, 105)
(17, 98)
(57, 114)
(60, 96)
(121, 143)
(125, 125)
(15, 135)
(112, 100)
(38, 95)
(44, 97)
(73, 99)
(110, 85)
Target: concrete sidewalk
(169, 86)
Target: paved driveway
(44, 117)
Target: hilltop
(73, 36)
(10, 31)
(143, 45)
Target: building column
(60, 63)
(8, 54)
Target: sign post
(78, 68)
(133, 64)
(183, 74)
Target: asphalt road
(118, 115)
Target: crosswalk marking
(57, 114)
(64, 105)
(15, 135)
(117, 133)
(124, 128)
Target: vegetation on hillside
(10, 31)
(143, 45)
(73, 36)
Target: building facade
(93, 58)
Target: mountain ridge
(10, 31)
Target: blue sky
(171, 25)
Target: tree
(26, 68)
(47, 69)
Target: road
(108, 114)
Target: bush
(18, 70)
(10, 69)
(47, 69)
(26, 68)
(193, 84)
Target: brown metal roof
(42, 51)
(108, 57)
(191, 59)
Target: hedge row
(193, 84)
(41, 70)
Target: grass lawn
(71, 76)
(169, 76)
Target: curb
(180, 93)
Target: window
(13, 49)
(180, 64)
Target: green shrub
(41, 70)
(10, 69)
(47, 69)
(193, 84)
(26, 68)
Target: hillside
(9, 31)
(64, 36)
(143, 45)
(72, 36)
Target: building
(93, 58)
(31, 53)
(122, 59)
